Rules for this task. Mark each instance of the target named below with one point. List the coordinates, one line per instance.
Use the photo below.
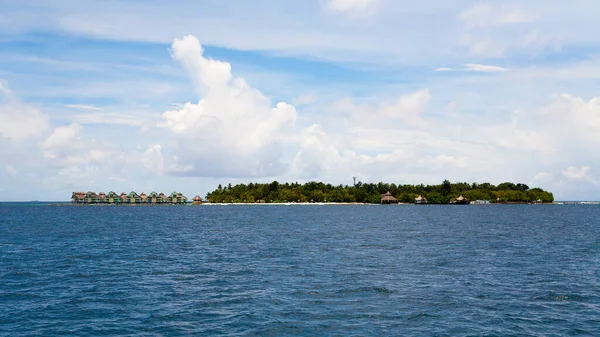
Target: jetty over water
(153, 198)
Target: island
(380, 193)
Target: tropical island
(375, 193)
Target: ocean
(490, 270)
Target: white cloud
(232, 130)
(573, 172)
(353, 7)
(62, 137)
(483, 68)
(475, 67)
(82, 107)
(317, 153)
(403, 112)
(482, 24)
(152, 159)
(18, 121)
(110, 118)
(66, 147)
(487, 15)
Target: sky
(129, 95)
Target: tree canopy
(276, 192)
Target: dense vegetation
(371, 193)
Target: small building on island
(460, 201)
(388, 199)
(420, 200)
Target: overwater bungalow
(420, 200)
(113, 198)
(198, 200)
(388, 198)
(79, 197)
(177, 198)
(131, 198)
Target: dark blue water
(528, 270)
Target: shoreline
(319, 204)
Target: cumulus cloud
(317, 153)
(66, 147)
(233, 130)
(152, 159)
(19, 121)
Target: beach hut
(102, 198)
(388, 198)
(198, 200)
(460, 201)
(143, 198)
(420, 200)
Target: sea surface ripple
(522, 270)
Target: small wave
(18, 296)
(150, 258)
(22, 274)
(554, 297)
(377, 290)
(422, 315)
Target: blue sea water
(523, 270)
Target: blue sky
(154, 95)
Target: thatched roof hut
(420, 200)
(460, 201)
(388, 198)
